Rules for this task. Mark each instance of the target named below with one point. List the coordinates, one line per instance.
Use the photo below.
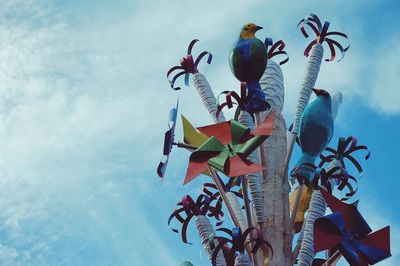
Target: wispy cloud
(83, 102)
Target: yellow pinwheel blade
(192, 136)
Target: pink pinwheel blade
(266, 127)
(222, 131)
(236, 166)
(194, 169)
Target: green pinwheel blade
(218, 162)
(251, 145)
(238, 131)
(211, 145)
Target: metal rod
(221, 191)
(246, 201)
(223, 196)
(184, 145)
(332, 259)
(262, 152)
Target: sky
(84, 104)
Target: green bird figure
(248, 60)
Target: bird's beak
(317, 91)
(259, 28)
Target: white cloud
(83, 102)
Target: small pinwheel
(188, 65)
(277, 49)
(238, 241)
(227, 148)
(321, 31)
(168, 141)
(347, 230)
(202, 206)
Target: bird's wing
(315, 138)
(236, 62)
(258, 47)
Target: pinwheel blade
(222, 131)
(168, 141)
(328, 231)
(376, 246)
(352, 218)
(236, 166)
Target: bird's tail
(303, 168)
(256, 98)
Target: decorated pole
(336, 160)
(190, 66)
(275, 189)
(186, 209)
(317, 206)
(314, 52)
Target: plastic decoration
(227, 148)
(347, 230)
(321, 31)
(277, 49)
(344, 150)
(168, 141)
(237, 242)
(191, 209)
(211, 189)
(243, 101)
(188, 65)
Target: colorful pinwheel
(228, 146)
(321, 31)
(238, 242)
(277, 49)
(168, 141)
(188, 65)
(347, 230)
(203, 206)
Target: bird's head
(320, 92)
(249, 31)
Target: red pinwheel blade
(194, 169)
(236, 166)
(328, 231)
(222, 131)
(376, 246)
(266, 127)
(352, 218)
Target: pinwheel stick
(332, 259)
(262, 151)
(228, 205)
(246, 201)
(248, 215)
(224, 197)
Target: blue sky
(84, 102)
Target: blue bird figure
(248, 60)
(315, 133)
